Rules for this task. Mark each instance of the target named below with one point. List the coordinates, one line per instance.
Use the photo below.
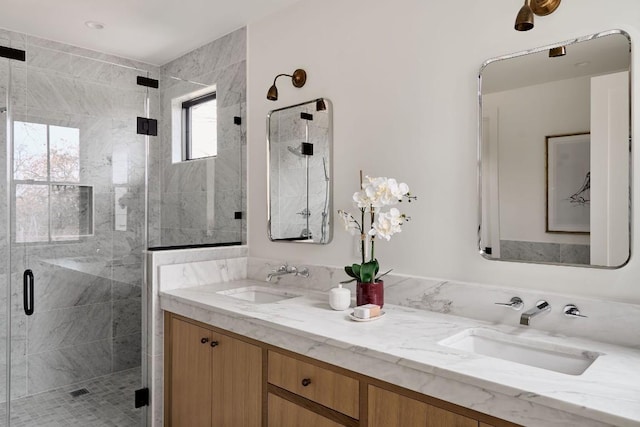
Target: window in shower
(200, 126)
(46, 172)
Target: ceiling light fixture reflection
(94, 25)
(555, 52)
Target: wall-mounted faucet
(570, 310)
(514, 303)
(285, 269)
(540, 307)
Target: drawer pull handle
(204, 340)
(306, 382)
(214, 343)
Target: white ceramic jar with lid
(339, 298)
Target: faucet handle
(570, 310)
(515, 303)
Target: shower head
(3, 110)
(297, 151)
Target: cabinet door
(190, 375)
(283, 413)
(237, 382)
(388, 409)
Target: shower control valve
(305, 213)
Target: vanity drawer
(324, 386)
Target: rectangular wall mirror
(555, 152)
(299, 172)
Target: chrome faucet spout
(281, 271)
(540, 307)
(288, 269)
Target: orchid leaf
(383, 274)
(349, 270)
(368, 271)
(357, 271)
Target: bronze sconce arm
(298, 79)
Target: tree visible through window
(50, 203)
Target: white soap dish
(357, 319)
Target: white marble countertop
(608, 392)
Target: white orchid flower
(388, 224)
(361, 200)
(350, 223)
(384, 191)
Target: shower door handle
(27, 290)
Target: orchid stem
(362, 237)
(372, 237)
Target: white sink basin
(566, 360)
(258, 294)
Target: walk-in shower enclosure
(73, 213)
(83, 195)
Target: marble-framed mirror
(300, 140)
(554, 151)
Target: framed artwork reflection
(568, 183)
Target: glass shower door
(5, 293)
(77, 197)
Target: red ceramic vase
(370, 293)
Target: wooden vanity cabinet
(387, 408)
(324, 386)
(284, 413)
(306, 390)
(213, 379)
(240, 382)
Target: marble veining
(608, 321)
(405, 343)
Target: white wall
(525, 117)
(402, 77)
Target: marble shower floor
(108, 403)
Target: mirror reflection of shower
(305, 149)
(325, 209)
(299, 139)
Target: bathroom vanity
(293, 358)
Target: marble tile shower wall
(87, 320)
(289, 130)
(195, 201)
(545, 252)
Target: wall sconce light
(298, 79)
(524, 19)
(555, 52)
